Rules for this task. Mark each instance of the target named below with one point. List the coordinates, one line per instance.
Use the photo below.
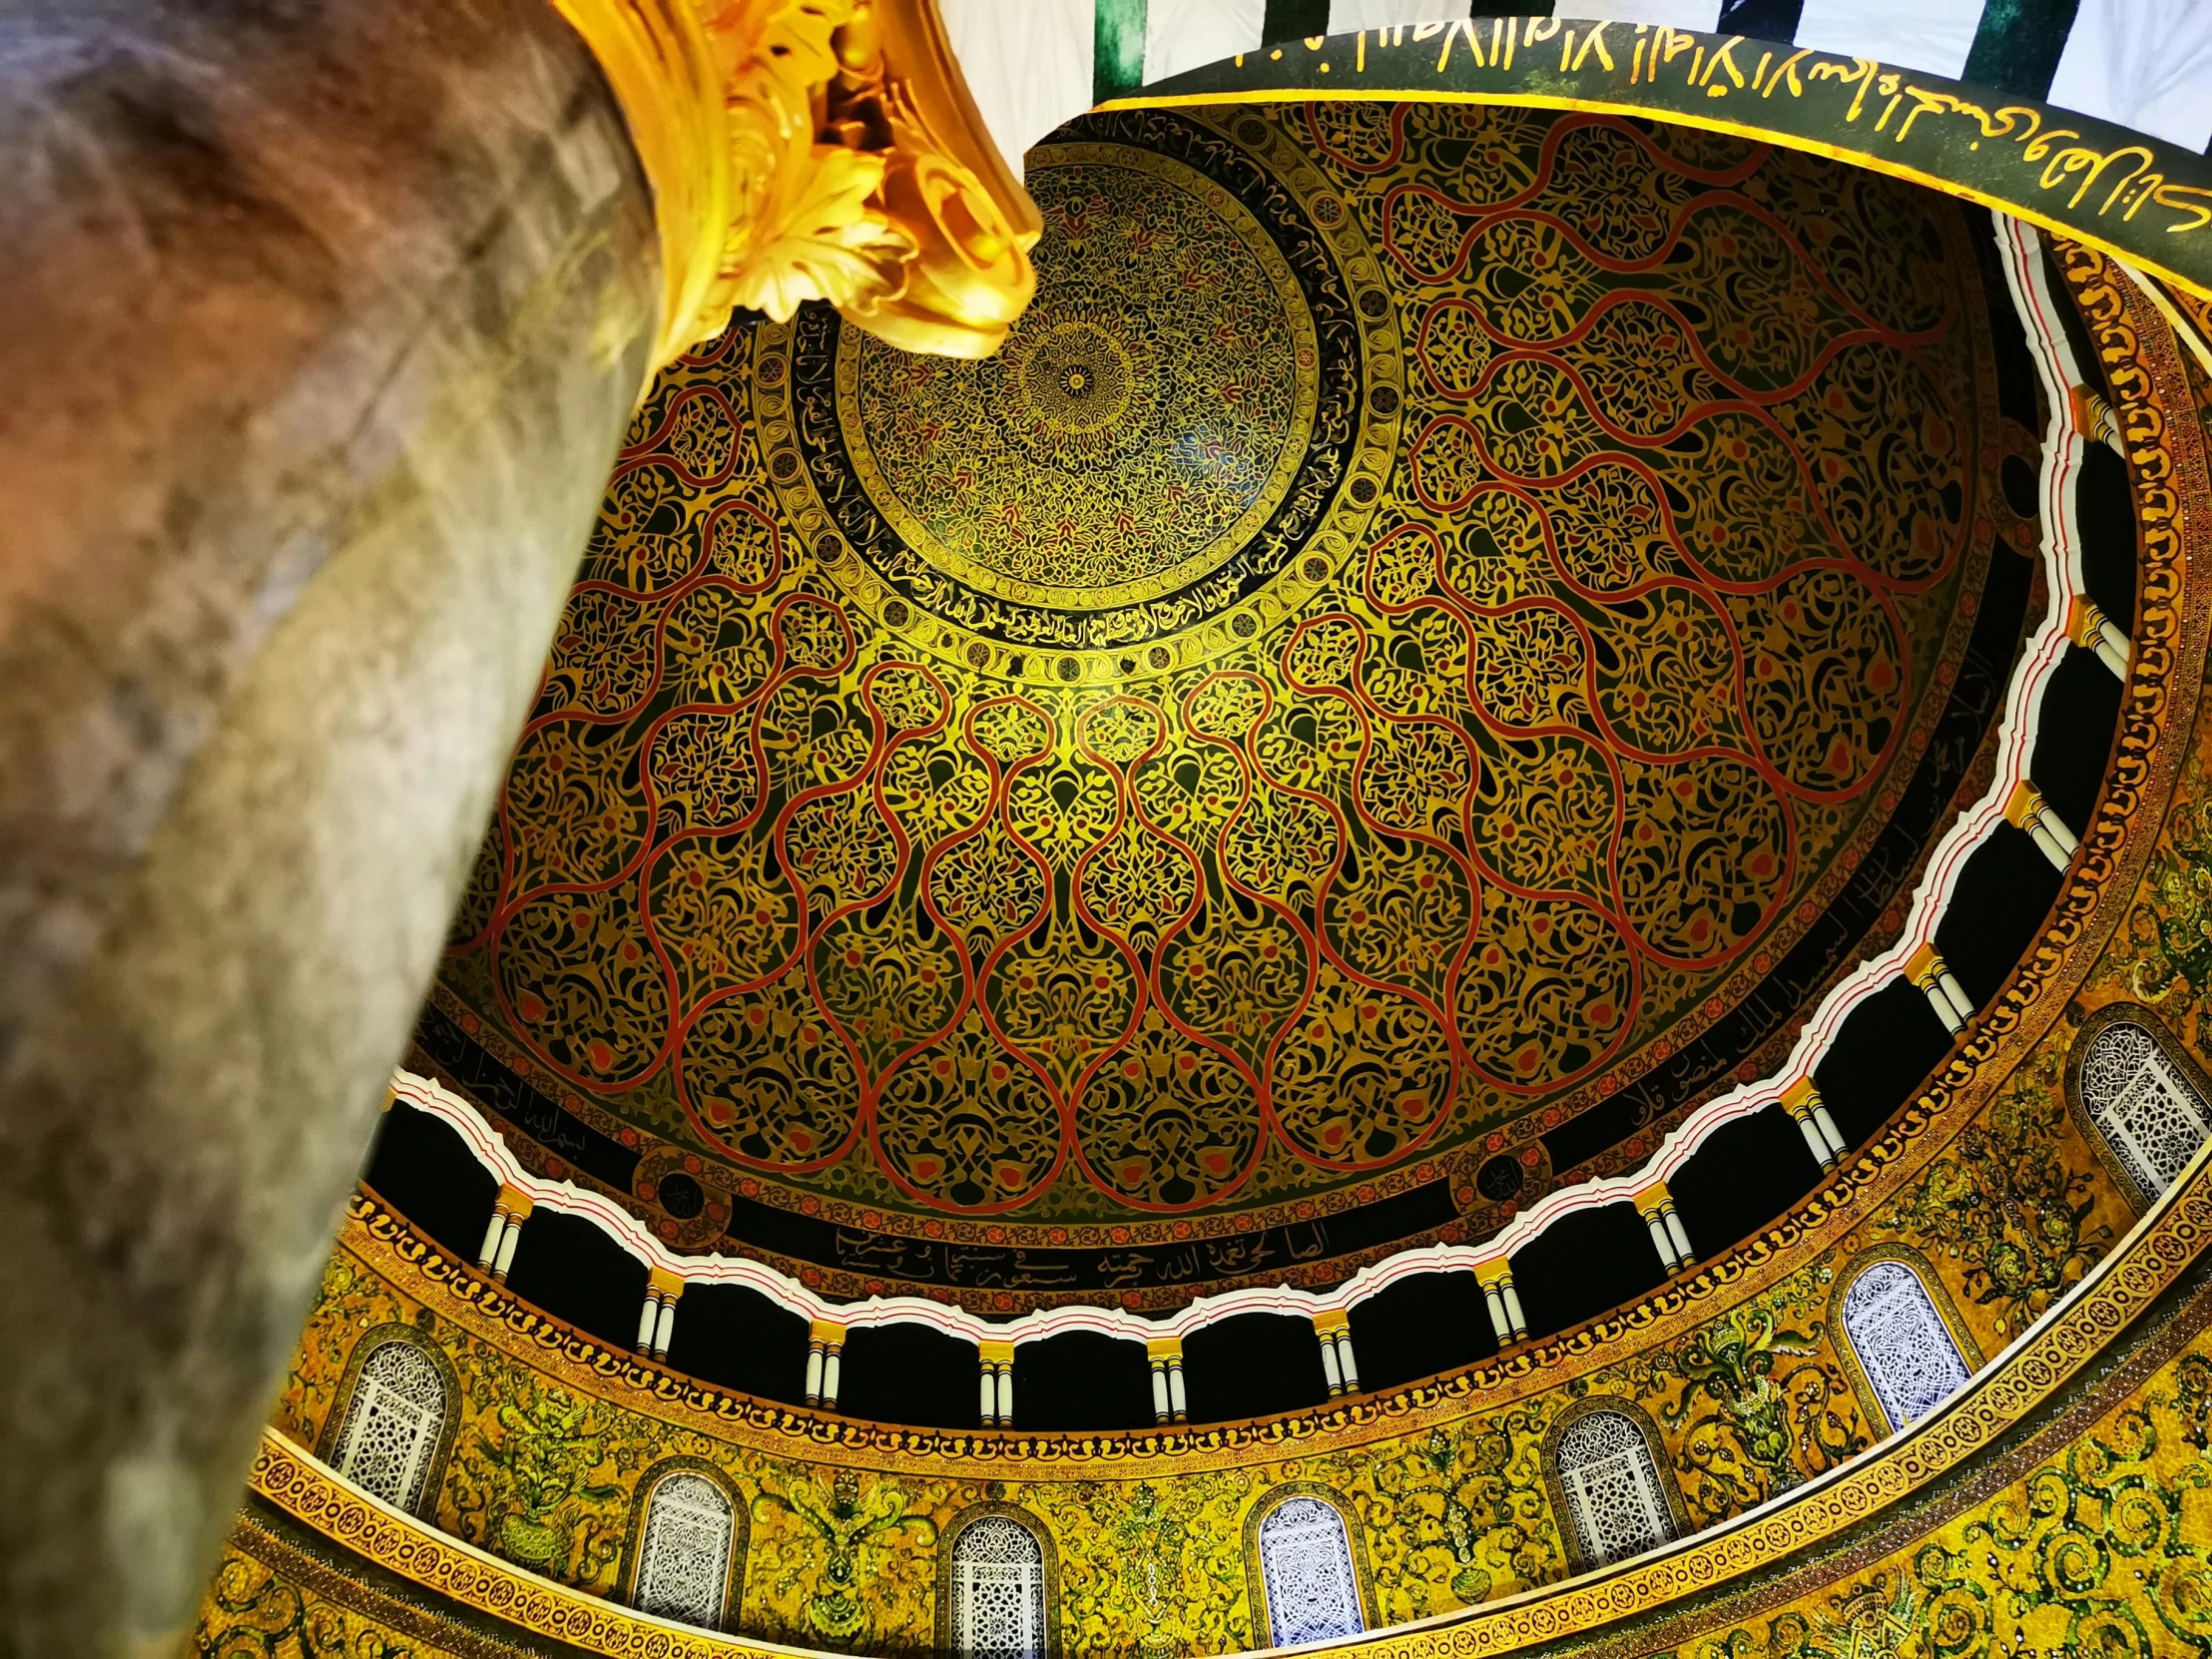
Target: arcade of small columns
(1332, 1327)
(1927, 970)
(1164, 1355)
(995, 1360)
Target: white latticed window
(1901, 1342)
(1614, 1500)
(1305, 1563)
(2148, 1114)
(683, 1561)
(391, 1428)
(998, 1590)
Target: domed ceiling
(1441, 634)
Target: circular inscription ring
(1181, 440)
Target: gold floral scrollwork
(816, 150)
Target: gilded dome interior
(1442, 634)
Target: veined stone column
(322, 323)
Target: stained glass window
(1614, 1500)
(1306, 1561)
(391, 1428)
(2147, 1112)
(998, 1590)
(684, 1562)
(1901, 1341)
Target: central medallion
(1076, 383)
(1143, 419)
(1179, 439)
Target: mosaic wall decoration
(1448, 1499)
(1389, 689)
(2092, 1536)
(271, 1603)
(2101, 1543)
(1748, 1388)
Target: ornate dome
(1442, 634)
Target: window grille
(1901, 1342)
(684, 1562)
(2147, 1112)
(1306, 1563)
(391, 1428)
(1614, 1500)
(998, 1590)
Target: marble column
(322, 321)
(1802, 1100)
(1927, 970)
(1506, 1319)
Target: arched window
(1306, 1567)
(684, 1557)
(2147, 1112)
(1611, 1487)
(1901, 1342)
(393, 1423)
(998, 1609)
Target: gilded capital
(816, 150)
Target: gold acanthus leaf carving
(816, 150)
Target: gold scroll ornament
(816, 150)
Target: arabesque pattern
(2058, 1509)
(1488, 786)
